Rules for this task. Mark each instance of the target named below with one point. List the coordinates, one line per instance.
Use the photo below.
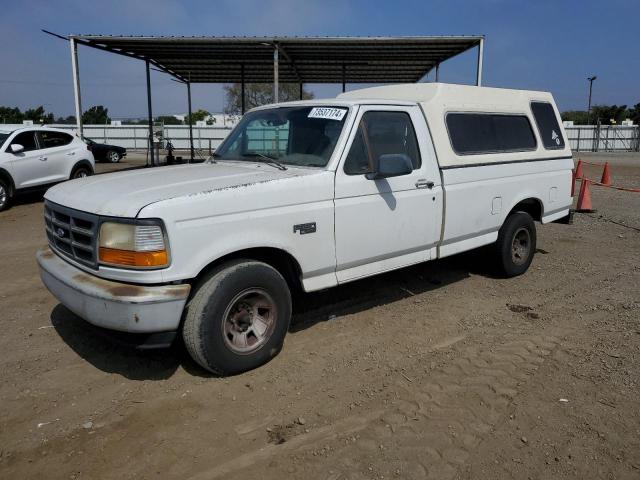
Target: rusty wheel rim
(521, 246)
(249, 321)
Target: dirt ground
(435, 371)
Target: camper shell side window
(476, 133)
(547, 123)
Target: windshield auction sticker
(328, 113)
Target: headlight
(133, 245)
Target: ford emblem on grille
(60, 232)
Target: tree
(11, 115)
(168, 120)
(604, 113)
(70, 120)
(578, 117)
(38, 115)
(198, 116)
(634, 114)
(96, 115)
(607, 113)
(257, 94)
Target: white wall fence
(604, 138)
(592, 138)
(137, 136)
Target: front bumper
(113, 305)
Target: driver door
(390, 222)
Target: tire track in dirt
(427, 430)
(434, 426)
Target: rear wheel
(81, 171)
(113, 156)
(238, 317)
(5, 196)
(516, 244)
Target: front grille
(72, 233)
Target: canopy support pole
(437, 72)
(76, 86)
(344, 78)
(480, 57)
(190, 120)
(300, 88)
(275, 75)
(242, 104)
(150, 116)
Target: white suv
(34, 157)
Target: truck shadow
(100, 350)
(361, 295)
(109, 355)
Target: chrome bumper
(113, 305)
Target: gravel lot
(435, 371)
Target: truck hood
(124, 194)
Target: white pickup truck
(306, 195)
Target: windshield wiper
(259, 157)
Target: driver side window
(381, 133)
(27, 140)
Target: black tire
(112, 156)
(211, 334)
(5, 195)
(516, 244)
(81, 171)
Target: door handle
(71, 153)
(43, 159)
(424, 184)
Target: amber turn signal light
(114, 256)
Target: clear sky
(545, 45)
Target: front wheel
(5, 196)
(81, 172)
(238, 317)
(516, 244)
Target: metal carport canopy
(277, 59)
(300, 59)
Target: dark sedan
(106, 153)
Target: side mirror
(391, 165)
(16, 148)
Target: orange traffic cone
(579, 169)
(606, 176)
(584, 198)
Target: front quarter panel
(206, 226)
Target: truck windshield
(300, 136)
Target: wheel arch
(6, 176)
(531, 205)
(81, 163)
(281, 260)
